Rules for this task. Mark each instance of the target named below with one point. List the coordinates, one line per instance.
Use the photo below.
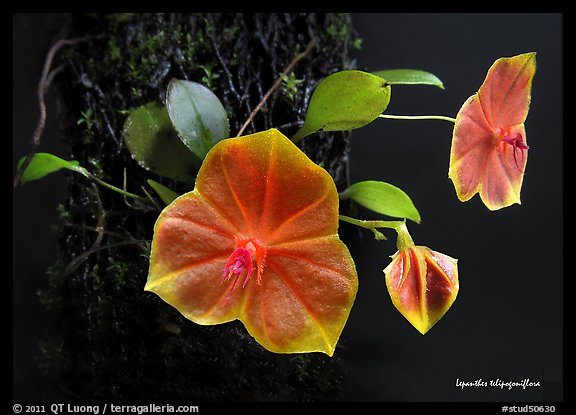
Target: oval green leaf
(43, 164)
(165, 194)
(154, 144)
(409, 77)
(344, 101)
(197, 114)
(382, 198)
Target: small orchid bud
(422, 283)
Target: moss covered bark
(109, 338)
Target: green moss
(136, 93)
(189, 48)
(94, 275)
(87, 119)
(290, 85)
(91, 125)
(341, 30)
(114, 52)
(95, 167)
(135, 72)
(117, 271)
(230, 33)
(210, 75)
(63, 213)
(357, 43)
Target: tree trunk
(109, 338)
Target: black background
(507, 320)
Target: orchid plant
(257, 238)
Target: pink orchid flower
(489, 150)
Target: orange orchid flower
(257, 240)
(489, 148)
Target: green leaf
(383, 198)
(197, 114)
(43, 164)
(409, 77)
(154, 144)
(167, 195)
(344, 101)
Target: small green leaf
(154, 144)
(344, 101)
(383, 198)
(197, 114)
(409, 77)
(167, 195)
(43, 164)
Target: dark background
(507, 320)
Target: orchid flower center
(240, 262)
(517, 143)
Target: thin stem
(77, 261)
(276, 84)
(95, 229)
(101, 218)
(418, 117)
(116, 189)
(45, 80)
(373, 224)
(151, 199)
(404, 239)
